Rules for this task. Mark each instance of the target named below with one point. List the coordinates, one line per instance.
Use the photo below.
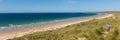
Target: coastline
(52, 26)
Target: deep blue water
(7, 19)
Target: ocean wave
(24, 25)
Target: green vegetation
(92, 30)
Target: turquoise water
(25, 19)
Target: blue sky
(7, 6)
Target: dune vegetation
(90, 30)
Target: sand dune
(23, 31)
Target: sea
(8, 20)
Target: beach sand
(17, 32)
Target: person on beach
(108, 28)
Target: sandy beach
(4, 35)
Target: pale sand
(20, 32)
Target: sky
(13, 6)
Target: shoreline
(53, 26)
(44, 22)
